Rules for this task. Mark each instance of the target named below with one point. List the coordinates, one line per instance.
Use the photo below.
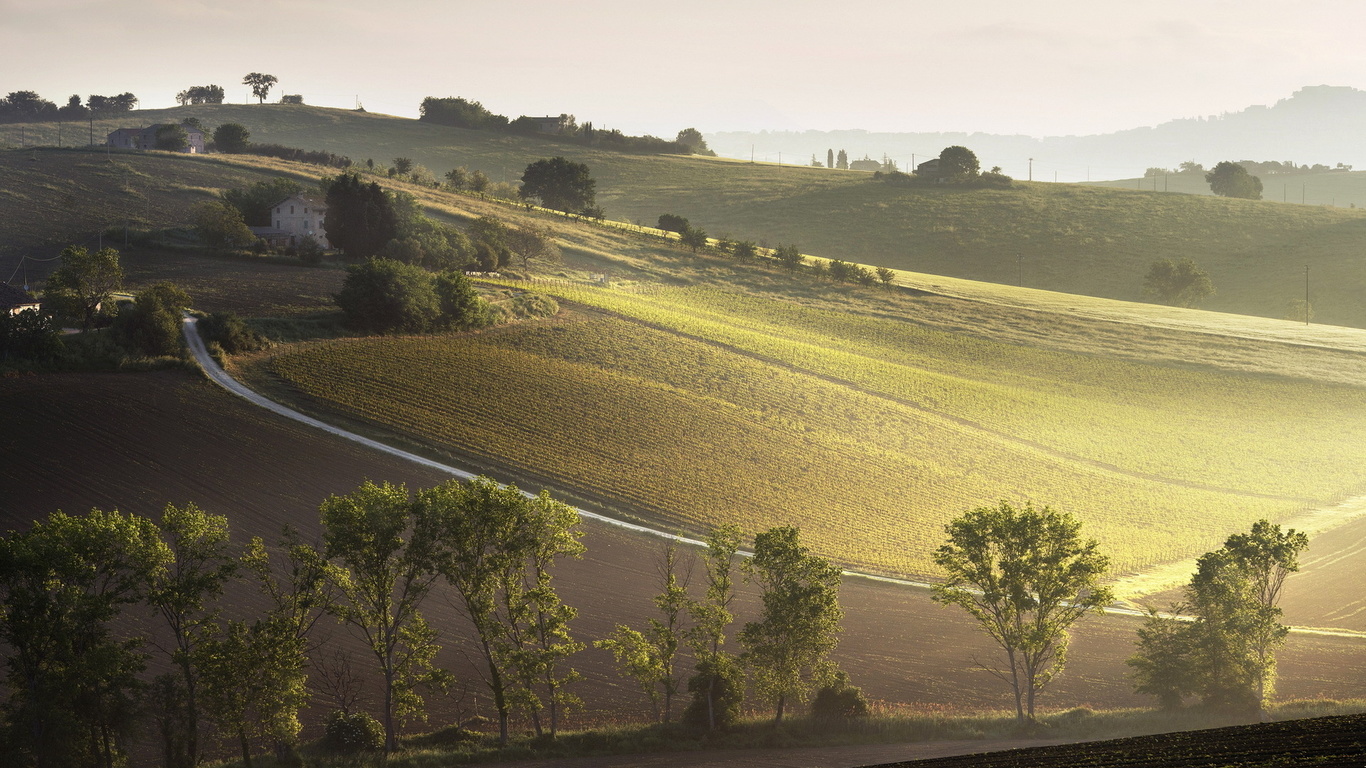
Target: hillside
(1333, 189)
(1058, 237)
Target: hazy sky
(997, 66)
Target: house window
(277, 224)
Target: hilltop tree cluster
(29, 107)
(462, 113)
(201, 94)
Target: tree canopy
(1230, 179)
(1180, 283)
(260, 84)
(560, 184)
(958, 165)
(84, 281)
(231, 138)
(1026, 576)
(360, 217)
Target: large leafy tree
(560, 184)
(958, 164)
(1026, 576)
(360, 217)
(260, 84)
(387, 296)
(184, 593)
(1180, 283)
(151, 324)
(84, 281)
(385, 551)
(1228, 654)
(72, 682)
(1230, 179)
(172, 137)
(787, 648)
(231, 138)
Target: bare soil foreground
(139, 441)
(1336, 741)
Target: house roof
(15, 297)
(152, 129)
(319, 204)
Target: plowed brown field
(139, 441)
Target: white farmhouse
(297, 217)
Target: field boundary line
(219, 376)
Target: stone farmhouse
(146, 138)
(293, 219)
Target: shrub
(231, 333)
(386, 296)
(670, 222)
(838, 700)
(351, 733)
(533, 305)
(718, 688)
(310, 251)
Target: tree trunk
(191, 712)
(246, 746)
(1015, 684)
(782, 700)
(390, 741)
(711, 702)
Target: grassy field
(1338, 189)
(870, 433)
(1074, 239)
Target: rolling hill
(1058, 237)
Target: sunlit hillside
(1059, 237)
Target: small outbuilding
(15, 300)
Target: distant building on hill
(551, 125)
(928, 169)
(866, 164)
(295, 218)
(146, 138)
(15, 300)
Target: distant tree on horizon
(1229, 179)
(842, 162)
(260, 84)
(829, 158)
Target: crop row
(1281, 437)
(694, 435)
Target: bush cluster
(349, 733)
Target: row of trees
(462, 113)
(77, 687)
(28, 107)
(201, 94)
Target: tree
(787, 648)
(260, 84)
(458, 178)
(479, 182)
(651, 658)
(183, 595)
(403, 165)
(716, 700)
(1178, 283)
(692, 139)
(150, 325)
(360, 217)
(829, 158)
(257, 201)
(886, 276)
(231, 138)
(172, 137)
(1162, 666)
(958, 165)
(72, 683)
(1234, 593)
(1026, 576)
(790, 256)
(694, 238)
(533, 242)
(84, 281)
(1230, 179)
(381, 579)
(29, 335)
(387, 296)
(221, 224)
(560, 184)
(496, 547)
(670, 222)
(842, 162)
